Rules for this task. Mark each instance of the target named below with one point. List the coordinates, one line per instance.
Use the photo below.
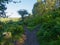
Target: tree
(38, 8)
(3, 7)
(22, 13)
(50, 4)
(49, 33)
(43, 6)
(2, 10)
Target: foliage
(49, 21)
(3, 7)
(22, 13)
(50, 28)
(38, 8)
(13, 27)
(42, 7)
(32, 21)
(1, 30)
(57, 42)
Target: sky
(12, 8)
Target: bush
(57, 42)
(49, 29)
(13, 27)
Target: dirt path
(31, 36)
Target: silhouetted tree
(22, 13)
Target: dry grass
(8, 19)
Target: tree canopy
(22, 13)
(42, 7)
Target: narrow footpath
(31, 36)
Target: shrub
(14, 28)
(49, 29)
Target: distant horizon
(13, 8)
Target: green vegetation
(49, 33)
(49, 21)
(32, 21)
(10, 30)
(46, 14)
